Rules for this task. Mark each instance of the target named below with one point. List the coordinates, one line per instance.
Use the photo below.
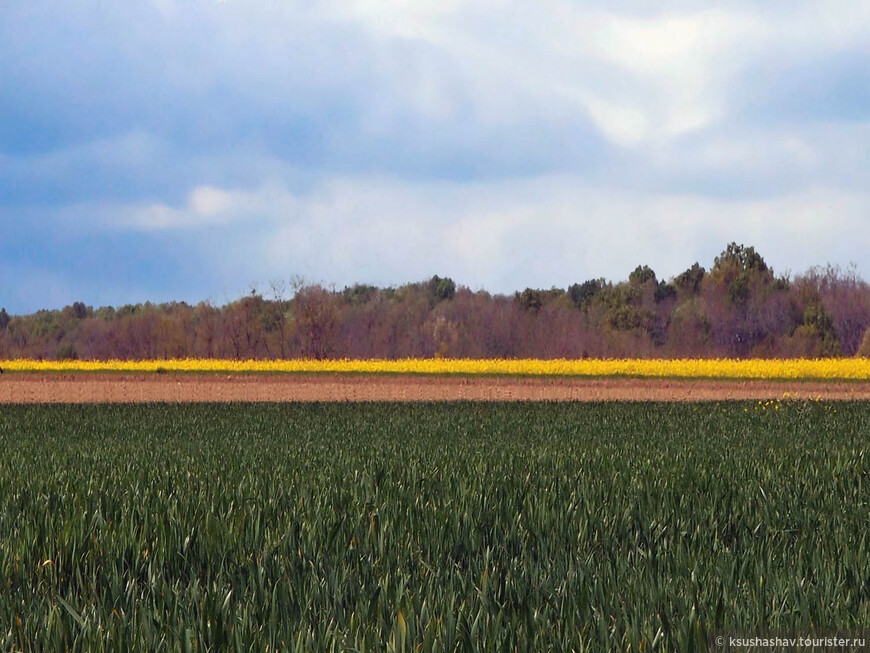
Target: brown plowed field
(120, 388)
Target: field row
(767, 369)
(47, 388)
(429, 527)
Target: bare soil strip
(139, 388)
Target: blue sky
(189, 149)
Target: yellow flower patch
(829, 368)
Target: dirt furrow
(123, 388)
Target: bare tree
(315, 319)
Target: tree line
(737, 308)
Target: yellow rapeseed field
(829, 368)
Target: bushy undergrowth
(429, 527)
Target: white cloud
(205, 206)
(208, 201)
(638, 78)
(752, 160)
(505, 235)
(212, 117)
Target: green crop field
(431, 526)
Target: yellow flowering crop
(828, 368)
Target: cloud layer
(164, 149)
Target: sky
(195, 149)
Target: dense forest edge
(738, 308)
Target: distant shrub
(66, 351)
(443, 289)
(360, 293)
(641, 275)
(582, 293)
(690, 280)
(664, 291)
(530, 299)
(79, 310)
(864, 349)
